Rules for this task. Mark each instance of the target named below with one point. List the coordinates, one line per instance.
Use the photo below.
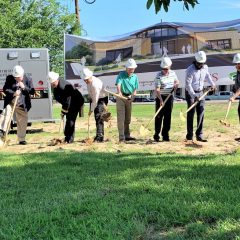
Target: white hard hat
(18, 71)
(201, 57)
(236, 58)
(166, 62)
(53, 77)
(131, 63)
(86, 73)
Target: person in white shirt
(165, 81)
(98, 101)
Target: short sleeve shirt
(128, 83)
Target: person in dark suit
(71, 100)
(18, 87)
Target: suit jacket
(10, 87)
(66, 94)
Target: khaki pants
(21, 118)
(124, 111)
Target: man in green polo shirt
(127, 85)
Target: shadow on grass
(92, 195)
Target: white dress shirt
(95, 91)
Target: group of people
(18, 88)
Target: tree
(165, 4)
(79, 51)
(36, 24)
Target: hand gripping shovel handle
(161, 107)
(11, 116)
(194, 104)
(116, 95)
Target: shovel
(224, 122)
(182, 117)
(88, 140)
(144, 130)
(9, 123)
(115, 94)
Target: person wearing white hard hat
(196, 74)
(236, 86)
(98, 101)
(165, 81)
(127, 85)
(71, 100)
(17, 84)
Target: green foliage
(36, 24)
(165, 4)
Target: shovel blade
(224, 123)
(143, 131)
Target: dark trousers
(163, 119)
(190, 117)
(69, 130)
(100, 108)
(239, 111)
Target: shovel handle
(88, 126)
(228, 109)
(161, 107)
(115, 94)
(11, 116)
(194, 104)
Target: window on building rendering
(219, 44)
(123, 53)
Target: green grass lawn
(122, 195)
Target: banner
(107, 57)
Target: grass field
(117, 191)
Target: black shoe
(98, 139)
(237, 139)
(130, 139)
(201, 139)
(156, 138)
(1, 133)
(22, 143)
(166, 140)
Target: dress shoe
(165, 139)
(130, 139)
(1, 133)
(98, 139)
(201, 139)
(22, 143)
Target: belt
(125, 94)
(198, 91)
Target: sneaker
(130, 139)
(22, 143)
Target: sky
(115, 17)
